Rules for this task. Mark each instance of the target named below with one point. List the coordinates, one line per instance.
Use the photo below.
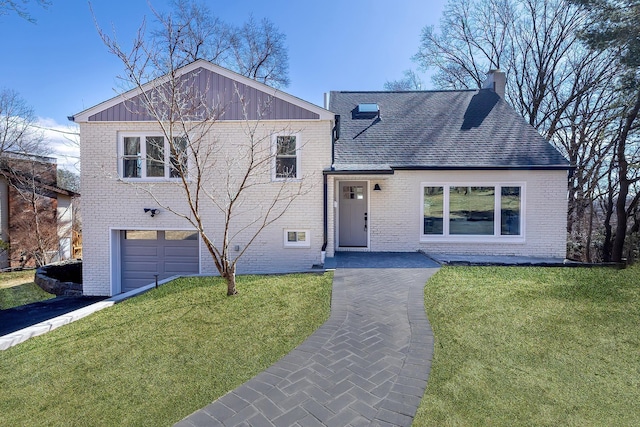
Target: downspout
(323, 254)
(335, 134)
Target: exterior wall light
(152, 211)
(377, 187)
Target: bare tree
(410, 81)
(192, 32)
(561, 86)
(212, 175)
(534, 41)
(17, 125)
(19, 7)
(256, 49)
(259, 52)
(68, 180)
(613, 26)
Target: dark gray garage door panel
(143, 257)
(181, 257)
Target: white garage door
(146, 253)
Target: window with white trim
(286, 156)
(150, 156)
(478, 210)
(297, 238)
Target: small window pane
(180, 235)
(433, 210)
(132, 168)
(178, 157)
(353, 192)
(141, 235)
(291, 236)
(471, 210)
(131, 165)
(286, 167)
(132, 146)
(286, 146)
(155, 156)
(302, 236)
(510, 211)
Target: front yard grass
(533, 346)
(156, 358)
(17, 288)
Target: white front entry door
(353, 219)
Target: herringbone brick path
(367, 365)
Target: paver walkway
(367, 365)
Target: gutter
(332, 171)
(392, 169)
(523, 167)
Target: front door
(353, 214)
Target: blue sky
(60, 66)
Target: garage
(145, 253)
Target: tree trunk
(589, 234)
(230, 276)
(625, 182)
(617, 250)
(608, 231)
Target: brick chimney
(496, 81)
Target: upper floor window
(287, 156)
(151, 156)
(472, 210)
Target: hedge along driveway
(158, 357)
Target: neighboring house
(36, 215)
(455, 172)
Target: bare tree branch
(211, 174)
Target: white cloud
(63, 141)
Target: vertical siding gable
(220, 92)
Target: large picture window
(150, 156)
(287, 158)
(471, 210)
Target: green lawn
(17, 288)
(533, 346)
(154, 359)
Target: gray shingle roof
(438, 129)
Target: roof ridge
(407, 91)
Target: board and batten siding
(221, 92)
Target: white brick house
(394, 172)
(453, 172)
(126, 242)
